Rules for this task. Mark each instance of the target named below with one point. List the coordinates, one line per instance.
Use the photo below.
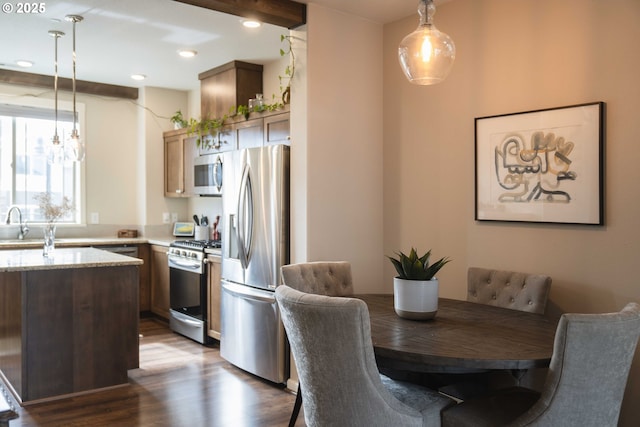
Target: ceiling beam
(82, 86)
(283, 13)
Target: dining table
(463, 337)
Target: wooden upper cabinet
(276, 129)
(228, 86)
(179, 152)
(173, 166)
(249, 133)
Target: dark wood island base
(72, 330)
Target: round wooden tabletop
(463, 336)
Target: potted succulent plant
(415, 288)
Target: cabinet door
(160, 280)
(145, 276)
(213, 308)
(250, 133)
(189, 153)
(173, 166)
(276, 129)
(224, 140)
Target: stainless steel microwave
(207, 175)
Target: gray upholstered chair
(585, 384)
(332, 278)
(508, 289)
(500, 288)
(330, 340)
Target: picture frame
(541, 166)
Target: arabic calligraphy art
(541, 166)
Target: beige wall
(124, 167)
(518, 56)
(337, 152)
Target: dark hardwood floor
(179, 383)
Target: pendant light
(75, 145)
(55, 152)
(426, 55)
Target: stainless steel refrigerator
(255, 244)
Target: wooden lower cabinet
(213, 303)
(68, 330)
(160, 280)
(144, 270)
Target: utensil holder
(202, 232)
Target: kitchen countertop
(86, 241)
(74, 242)
(64, 258)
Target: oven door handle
(178, 264)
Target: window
(25, 133)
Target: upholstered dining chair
(501, 288)
(330, 340)
(508, 289)
(585, 383)
(330, 278)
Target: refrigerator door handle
(249, 293)
(245, 218)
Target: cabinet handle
(179, 191)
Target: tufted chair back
(508, 289)
(592, 356)
(331, 344)
(332, 279)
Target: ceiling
(118, 38)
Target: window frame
(66, 108)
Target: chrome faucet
(24, 229)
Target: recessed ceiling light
(24, 63)
(186, 53)
(138, 76)
(249, 23)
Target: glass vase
(49, 240)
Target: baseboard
(292, 385)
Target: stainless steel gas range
(188, 288)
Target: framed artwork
(542, 166)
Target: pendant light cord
(74, 19)
(56, 35)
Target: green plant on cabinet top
(207, 126)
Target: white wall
(518, 56)
(342, 149)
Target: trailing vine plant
(212, 127)
(290, 69)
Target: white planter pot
(415, 299)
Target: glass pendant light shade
(426, 55)
(74, 147)
(55, 151)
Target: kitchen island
(68, 323)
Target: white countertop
(32, 259)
